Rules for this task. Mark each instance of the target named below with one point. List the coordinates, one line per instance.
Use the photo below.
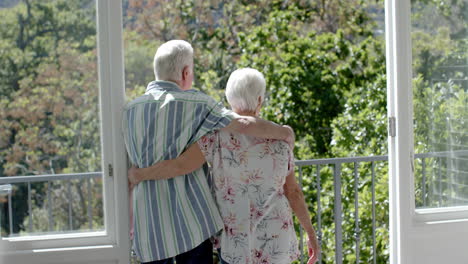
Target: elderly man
(174, 218)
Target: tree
(30, 35)
(308, 75)
(49, 118)
(214, 29)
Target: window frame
(112, 244)
(411, 226)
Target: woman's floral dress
(248, 175)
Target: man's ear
(185, 72)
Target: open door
(428, 132)
(73, 209)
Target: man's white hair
(244, 87)
(171, 58)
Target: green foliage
(309, 76)
(440, 114)
(439, 100)
(30, 34)
(138, 55)
(49, 121)
(360, 130)
(67, 198)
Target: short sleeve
(213, 116)
(207, 146)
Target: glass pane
(440, 101)
(50, 151)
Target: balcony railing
(323, 181)
(336, 166)
(7, 186)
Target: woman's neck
(245, 112)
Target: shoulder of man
(197, 97)
(194, 96)
(140, 99)
(197, 94)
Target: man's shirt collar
(163, 85)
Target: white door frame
(112, 86)
(113, 244)
(399, 108)
(437, 235)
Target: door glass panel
(50, 150)
(440, 101)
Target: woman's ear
(259, 105)
(260, 102)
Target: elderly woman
(254, 184)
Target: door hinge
(392, 126)
(110, 170)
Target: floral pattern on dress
(248, 175)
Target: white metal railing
(335, 164)
(7, 188)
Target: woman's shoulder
(250, 140)
(275, 143)
(264, 145)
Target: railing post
(357, 231)
(30, 207)
(10, 213)
(90, 215)
(301, 232)
(70, 212)
(374, 251)
(319, 214)
(440, 182)
(423, 165)
(7, 189)
(338, 216)
(431, 197)
(49, 199)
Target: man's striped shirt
(171, 216)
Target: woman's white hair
(171, 58)
(244, 87)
